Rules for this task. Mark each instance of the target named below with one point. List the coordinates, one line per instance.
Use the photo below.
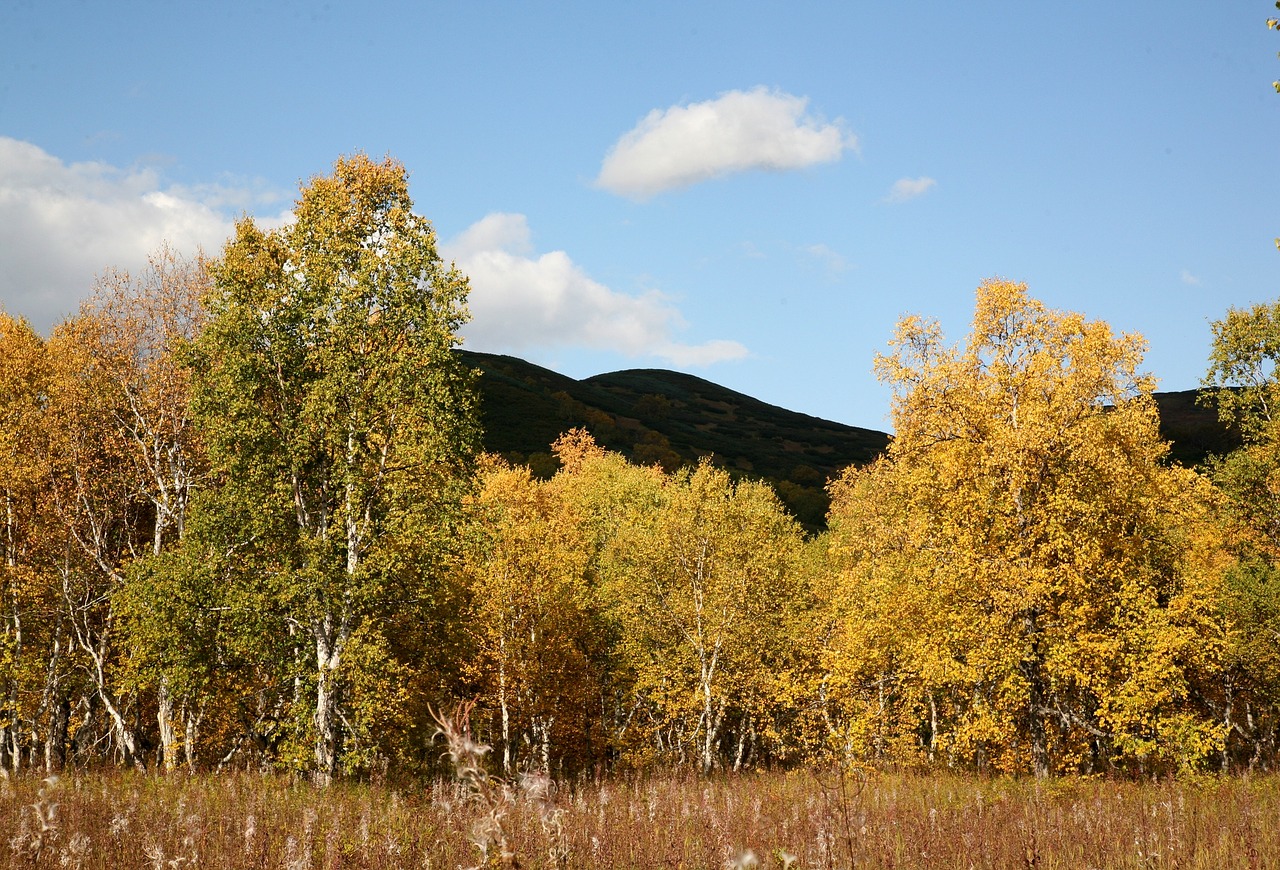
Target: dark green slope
(654, 415)
(1193, 430)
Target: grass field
(794, 819)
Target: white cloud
(737, 131)
(63, 224)
(1188, 278)
(521, 300)
(909, 188)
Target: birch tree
(332, 404)
(534, 619)
(1025, 584)
(1242, 382)
(107, 456)
(701, 585)
(143, 324)
(102, 515)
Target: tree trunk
(1032, 669)
(94, 644)
(743, 733)
(542, 736)
(164, 718)
(502, 702)
(326, 713)
(55, 744)
(933, 727)
(192, 733)
(708, 729)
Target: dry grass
(115, 820)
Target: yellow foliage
(1023, 583)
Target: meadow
(796, 819)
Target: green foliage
(338, 422)
(1242, 369)
(1243, 379)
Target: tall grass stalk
(762, 820)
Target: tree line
(247, 523)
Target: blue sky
(751, 192)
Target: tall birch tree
(143, 323)
(701, 584)
(335, 412)
(533, 618)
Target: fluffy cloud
(909, 188)
(737, 131)
(520, 301)
(63, 224)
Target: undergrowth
(770, 819)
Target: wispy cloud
(1188, 278)
(522, 300)
(739, 130)
(63, 224)
(909, 188)
(831, 261)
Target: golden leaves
(1019, 535)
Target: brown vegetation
(774, 819)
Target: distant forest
(249, 522)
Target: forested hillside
(675, 419)
(248, 524)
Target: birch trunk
(326, 713)
(165, 720)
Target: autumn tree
(101, 437)
(31, 639)
(687, 584)
(337, 420)
(1242, 384)
(103, 517)
(539, 654)
(700, 582)
(141, 324)
(1024, 584)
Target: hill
(1192, 429)
(655, 415)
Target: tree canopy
(1022, 579)
(338, 422)
(244, 522)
